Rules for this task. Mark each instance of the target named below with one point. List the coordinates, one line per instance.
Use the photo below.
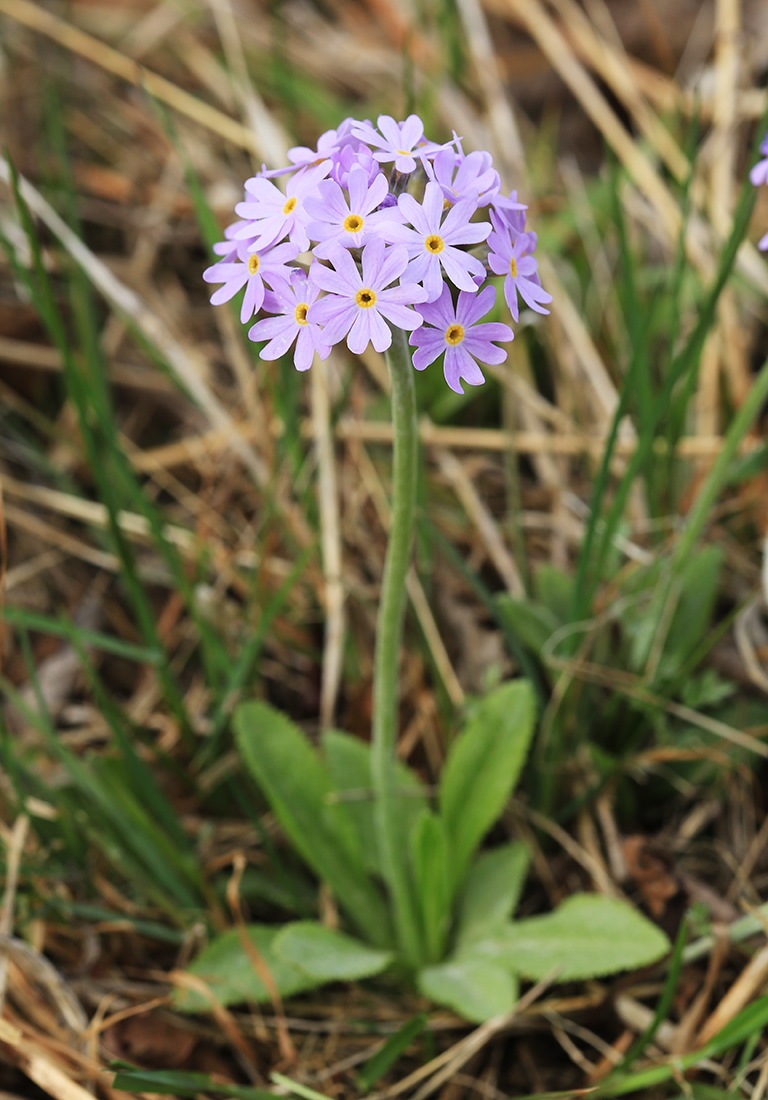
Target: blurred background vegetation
(185, 525)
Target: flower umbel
(368, 224)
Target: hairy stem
(389, 633)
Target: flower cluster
(758, 175)
(380, 227)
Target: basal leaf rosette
(379, 228)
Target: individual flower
(357, 305)
(512, 257)
(223, 248)
(272, 215)
(432, 243)
(395, 140)
(464, 177)
(244, 268)
(510, 211)
(455, 332)
(291, 304)
(353, 155)
(300, 156)
(347, 222)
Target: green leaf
(299, 789)
(477, 989)
(586, 937)
(554, 589)
(387, 1055)
(482, 769)
(227, 968)
(491, 892)
(700, 579)
(429, 860)
(328, 956)
(532, 623)
(349, 762)
(694, 593)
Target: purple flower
(513, 258)
(510, 211)
(301, 156)
(464, 177)
(359, 306)
(244, 268)
(353, 155)
(274, 215)
(223, 248)
(432, 245)
(759, 173)
(398, 141)
(292, 303)
(454, 330)
(349, 223)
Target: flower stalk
(389, 634)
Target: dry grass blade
(72, 38)
(187, 365)
(457, 1056)
(611, 63)
(256, 959)
(58, 993)
(38, 1066)
(594, 866)
(748, 983)
(14, 848)
(537, 21)
(506, 134)
(483, 520)
(268, 135)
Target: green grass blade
(393, 1048)
(56, 628)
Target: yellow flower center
(290, 206)
(253, 264)
(434, 244)
(513, 267)
(446, 204)
(301, 313)
(365, 298)
(353, 223)
(454, 335)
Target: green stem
(389, 633)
